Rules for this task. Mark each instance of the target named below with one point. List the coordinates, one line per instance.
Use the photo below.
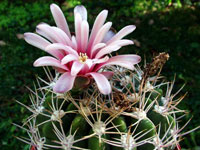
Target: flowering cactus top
(81, 54)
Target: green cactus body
(75, 124)
(147, 128)
(48, 132)
(82, 144)
(124, 121)
(120, 124)
(50, 100)
(79, 125)
(165, 122)
(156, 94)
(94, 143)
(121, 127)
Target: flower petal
(50, 33)
(108, 36)
(64, 83)
(59, 46)
(102, 83)
(41, 43)
(102, 60)
(97, 47)
(101, 33)
(107, 50)
(108, 74)
(56, 53)
(101, 18)
(66, 40)
(76, 68)
(82, 11)
(49, 61)
(36, 40)
(68, 58)
(122, 33)
(43, 31)
(60, 19)
(78, 22)
(89, 63)
(85, 68)
(122, 42)
(134, 59)
(126, 61)
(84, 35)
(74, 43)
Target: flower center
(83, 57)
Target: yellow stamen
(82, 57)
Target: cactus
(135, 111)
(137, 115)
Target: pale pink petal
(122, 42)
(124, 64)
(92, 62)
(82, 11)
(49, 33)
(68, 58)
(43, 30)
(126, 61)
(101, 33)
(108, 74)
(56, 53)
(102, 83)
(101, 18)
(134, 59)
(84, 35)
(49, 61)
(74, 43)
(108, 36)
(107, 50)
(113, 47)
(60, 37)
(58, 46)
(102, 60)
(122, 33)
(78, 22)
(85, 69)
(60, 19)
(76, 68)
(36, 40)
(66, 40)
(41, 43)
(96, 47)
(64, 83)
(89, 63)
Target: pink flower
(81, 54)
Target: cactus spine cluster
(139, 114)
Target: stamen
(83, 57)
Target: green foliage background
(162, 25)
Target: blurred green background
(162, 25)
